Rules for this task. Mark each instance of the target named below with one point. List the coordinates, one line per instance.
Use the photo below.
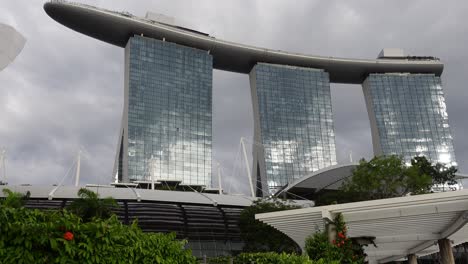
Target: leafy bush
(219, 260)
(89, 205)
(33, 236)
(318, 247)
(272, 258)
(342, 249)
(14, 199)
(260, 237)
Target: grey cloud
(66, 89)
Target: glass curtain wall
(293, 123)
(169, 112)
(409, 116)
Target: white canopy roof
(401, 226)
(11, 44)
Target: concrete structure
(400, 227)
(11, 44)
(293, 144)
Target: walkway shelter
(402, 227)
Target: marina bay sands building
(408, 116)
(166, 132)
(293, 123)
(166, 124)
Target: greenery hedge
(92, 235)
(341, 250)
(268, 258)
(275, 258)
(33, 236)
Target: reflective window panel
(409, 116)
(169, 112)
(293, 122)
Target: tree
(260, 237)
(439, 172)
(387, 177)
(14, 199)
(89, 205)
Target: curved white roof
(401, 226)
(117, 27)
(329, 178)
(11, 44)
(70, 192)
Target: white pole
(351, 156)
(219, 179)
(249, 173)
(78, 167)
(2, 157)
(152, 172)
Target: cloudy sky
(65, 90)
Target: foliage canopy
(260, 237)
(33, 236)
(14, 199)
(341, 250)
(89, 205)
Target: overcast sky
(65, 90)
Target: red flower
(68, 235)
(341, 235)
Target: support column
(331, 231)
(446, 252)
(412, 259)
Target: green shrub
(272, 258)
(33, 236)
(317, 247)
(260, 237)
(342, 249)
(89, 205)
(219, 260)
(14, 199)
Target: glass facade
(409, 116)
(169, 112)
(294, 123)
